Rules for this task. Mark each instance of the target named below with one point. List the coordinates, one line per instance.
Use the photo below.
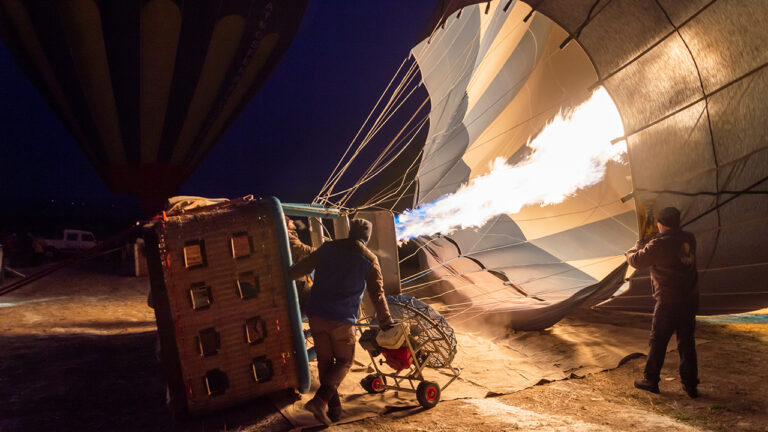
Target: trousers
(335, 348)
(669, 319)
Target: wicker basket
(227, 316)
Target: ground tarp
(493, 363)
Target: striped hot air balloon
(148, 86)
(688, 80)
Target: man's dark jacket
(671, 255)
(344, 269)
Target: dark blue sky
(285, 143)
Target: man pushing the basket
(344, 269)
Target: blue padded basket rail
(302, 361)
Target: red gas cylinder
(397, 359)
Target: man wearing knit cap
(344, 269)
(671, 256)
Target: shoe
(693, 393)
(317, 408)
(334, 413)
(646, 385)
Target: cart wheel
(373, 383)
(428, 394)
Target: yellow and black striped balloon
(148, 86)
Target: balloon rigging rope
(327, 183)
(427, 271)
(414, 131)
(386, 195)
(513, 288)
(388, 191)
(422, 285)
(333, 180)
(419, 249)
(369, 204)
(377, 167)
(385, 110)
(363, 144)
(336, 175)
(408, 138)
(345, 191)
(390, 109)
(392, 159)
(402, 195)
(426, 117)
(382, 166)
(449, 307)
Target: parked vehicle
(71, 241)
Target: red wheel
(373, 383)
(428, 394)
(377, 385)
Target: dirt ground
(734, 396)
(77, 354)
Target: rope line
(380, 120)
(361, 127)
(339, 170)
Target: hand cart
(430, 344)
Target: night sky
(285, 143)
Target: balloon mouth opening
(570, 154)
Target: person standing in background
(671, 256)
